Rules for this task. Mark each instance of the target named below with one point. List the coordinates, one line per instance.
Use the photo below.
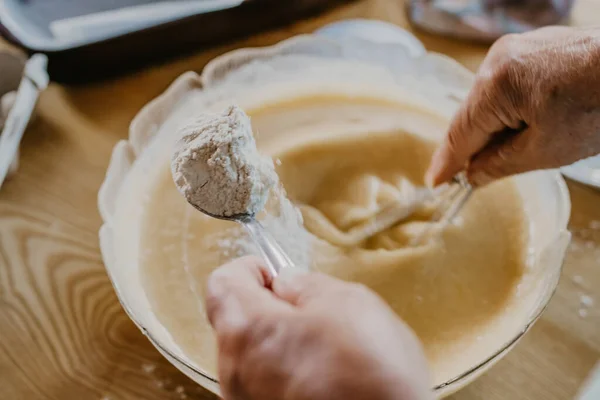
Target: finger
(494, 104)
(299, 289)
(238, 291)
(241, 308)
(470, 130)
(503, 158)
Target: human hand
(535, 105)
(309, 337)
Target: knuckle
(502, 64)
(504, 74)
(502, 93)
(499, 75)
(234, 334)
(510, 39)
(507, 45)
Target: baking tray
(80, 49)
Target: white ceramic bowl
(355, 67)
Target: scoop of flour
(218, 168)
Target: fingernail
(434, 169)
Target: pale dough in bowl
(346, 138)
(344, 166)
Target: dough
(341, 161)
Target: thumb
(481, 116)
(502, 158)
(239, 291)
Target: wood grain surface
(63, 334)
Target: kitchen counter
(63, 334)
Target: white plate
(586, 171)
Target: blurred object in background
(11, 70)
(12, 64)
(91, 39)
(17, 109)
(486, 20)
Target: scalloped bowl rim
(126, 152)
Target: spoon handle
(274, 256)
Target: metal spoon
(275, 257)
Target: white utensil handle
(34, 80)
(274, 256)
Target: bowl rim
(155, 114)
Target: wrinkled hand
(309, 337)
(535, 105)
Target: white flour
(217, 167)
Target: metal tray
(87, 40)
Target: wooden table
(63, 334)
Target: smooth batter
(340, 161)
